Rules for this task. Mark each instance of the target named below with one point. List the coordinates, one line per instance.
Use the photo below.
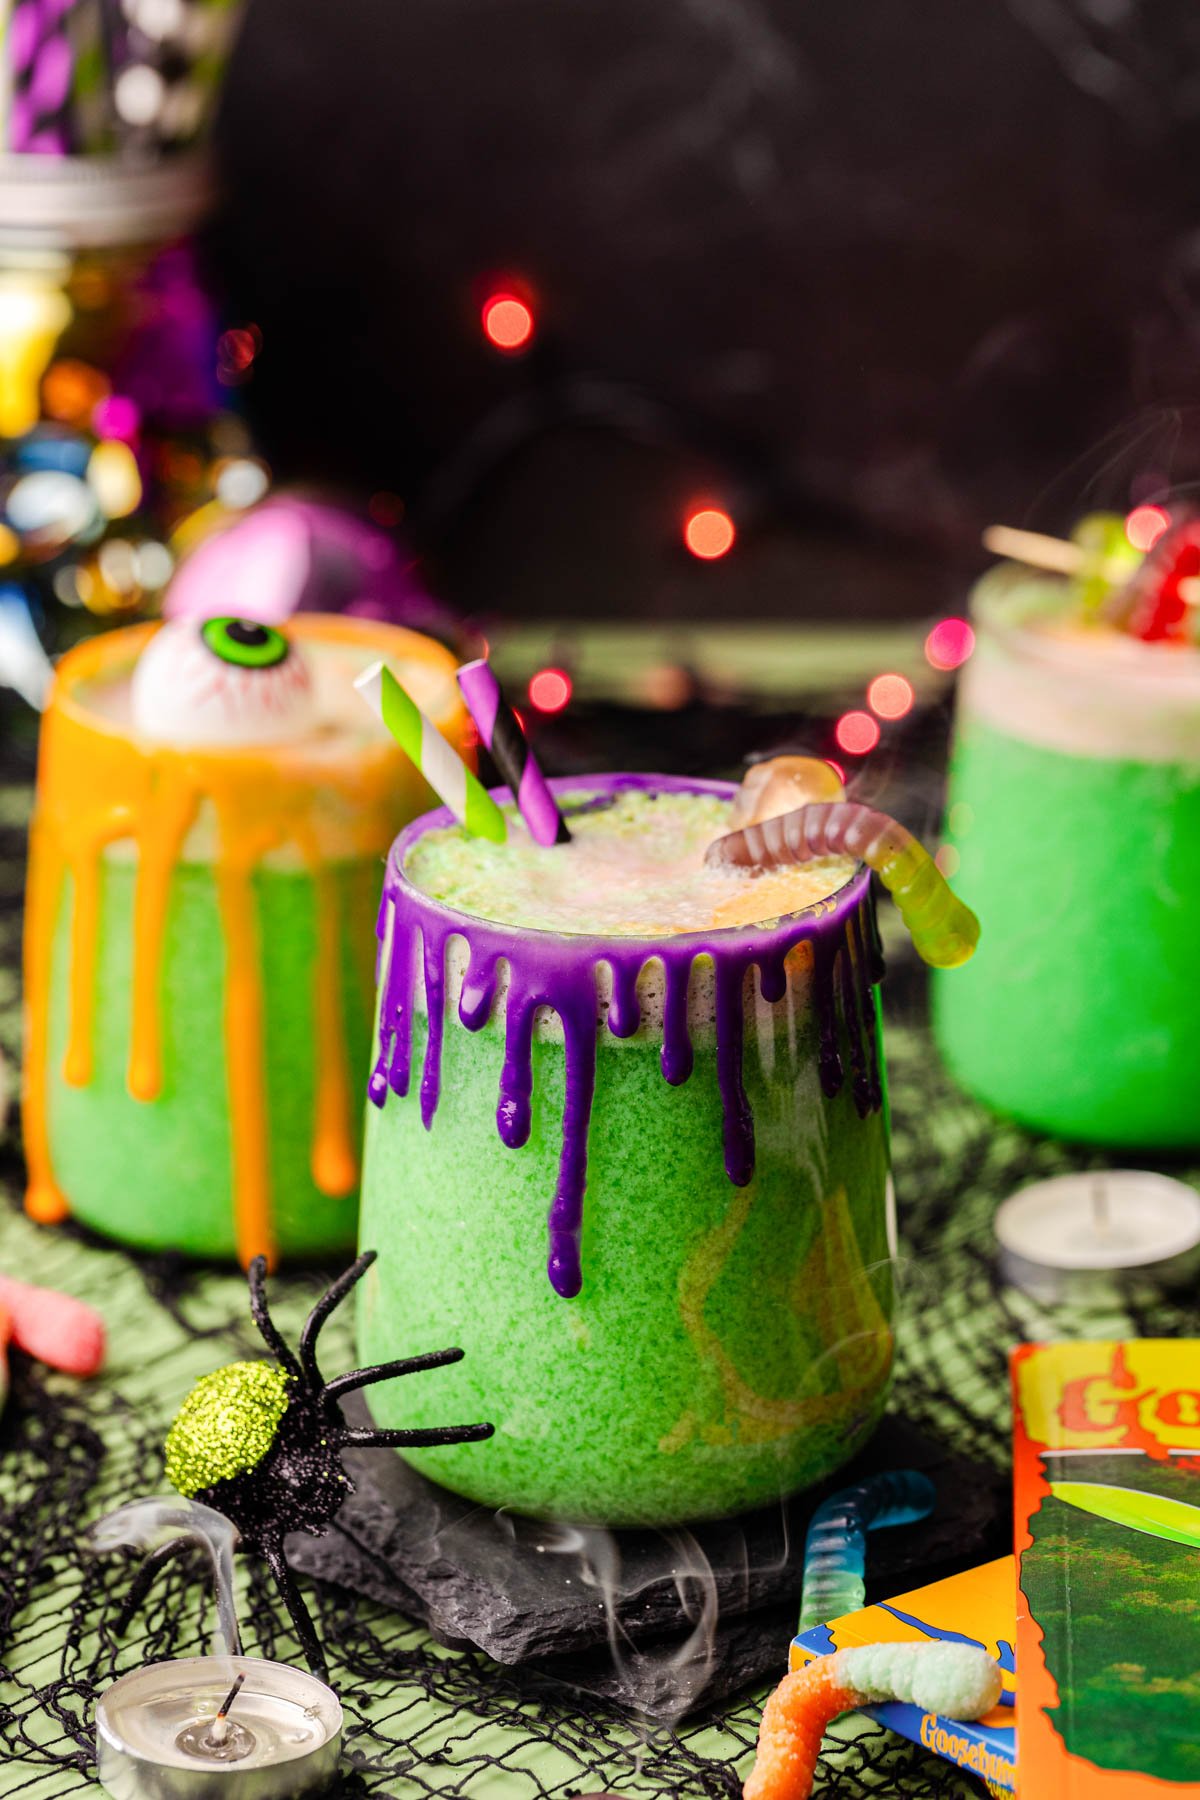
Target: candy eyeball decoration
(221, 682)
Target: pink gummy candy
(54, 1327)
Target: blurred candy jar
(112, 420)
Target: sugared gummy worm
(959, 1681)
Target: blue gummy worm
(835, 1549)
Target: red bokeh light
(709, 533)
(890, 696)
(1145, 525)
(236, 351)
(949, 644)
(856, 733)
(507, 322)
(837, 769)
(550, 690)
(386, 508)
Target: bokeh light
(949, 644)
(507, 322)
(49, 508)
(239, 481)
(856, 733)
(709, 533)
(236, 351)
(948, 860)
(890, 696)
(114, 478)
(155, 564)
(550, 690)
(837, 769)
(386, 508)
(1145, 525)
(117, 416)
(71, 390)
(666, 686)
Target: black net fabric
(422, 1719)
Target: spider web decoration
(422, 1720)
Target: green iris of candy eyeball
(246, 643)
(226, 1425)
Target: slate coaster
(654, 1620)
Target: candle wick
(220, 1725)
(1101, 1217)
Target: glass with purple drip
(644, 1183)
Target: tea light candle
(158, 1736)
(1100, 1221)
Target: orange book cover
(1106, 1478)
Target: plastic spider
(262, 1443)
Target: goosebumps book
(1107, 1493)
(972, 1608)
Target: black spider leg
(406, 1365)
(298, 1613)
(256, 1274)
(144, 1580)
(435, 1434)
(331, 1298)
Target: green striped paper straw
(440, 764)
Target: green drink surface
(158, 1173)
(1078, 1013)
(729, 1344)
(634, 866)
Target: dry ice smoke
(663, 1681)
(149, 1525)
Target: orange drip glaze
(334, 1155)
(317, 802)
(171, 816)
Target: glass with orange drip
(213, 807)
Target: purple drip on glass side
(435, 1004)
(559, 972)
(868, 969)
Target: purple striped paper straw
(41, 65)
(500, 731)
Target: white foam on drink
(634, 868)
(1045, 675)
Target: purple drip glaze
(559, 972)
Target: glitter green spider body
(262, 1443)
(226, 1425)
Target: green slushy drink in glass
(627, 1144)
(214, 805)
(1074, 809)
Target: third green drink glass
(1074, 806)
(703, 1116)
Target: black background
(871, 273)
